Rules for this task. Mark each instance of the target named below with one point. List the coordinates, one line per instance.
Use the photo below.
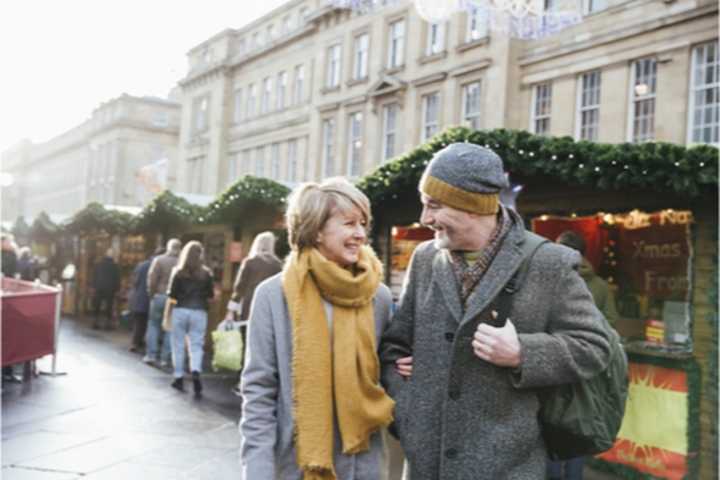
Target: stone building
(119, 156)
(312, 90)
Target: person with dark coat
(140, 302)
(261, 263)
(26, 265)
(467, 399)
(106, 282)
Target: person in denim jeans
(157, 285)
(191, 288)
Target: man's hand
(403, 366)
(499, 346)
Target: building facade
(120, 156)
(311, 90)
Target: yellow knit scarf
(341, 379)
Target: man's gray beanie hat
(465, 176)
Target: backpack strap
(503, 303)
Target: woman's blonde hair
(263, 244)
(312, 204)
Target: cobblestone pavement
(111, 417)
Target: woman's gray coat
(459, 417)
(267, 449)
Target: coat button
(451, 453)
(454, 394)
(449, 336)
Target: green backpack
(580, 418)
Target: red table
(29, 320)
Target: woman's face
(342, 236)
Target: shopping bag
(167, 314)
(228, 350)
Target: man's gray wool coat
(459, 417)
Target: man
(106, 281)
(157, 285)
(139, 301)
(598, 286)
(469, 410)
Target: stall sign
(236, 252)
(653, 438)
(404, 242)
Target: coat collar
(499, 272)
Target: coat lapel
(501, 269)
(444, 278)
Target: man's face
(452, 226)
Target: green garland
(240, 198)
(712, 390)
(662, 167)
(95, 218)
(694, 382)
(166, 213)
(43, 228)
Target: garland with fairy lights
(43, 228)
(662, 167)
(242, 198)
(166, 213)
(96, 218)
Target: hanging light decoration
(523, 19)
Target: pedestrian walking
(190, 289)
(470, 406)
(106, 282)
(572, 469)
(9, 256)
(26, 265)
(157, 342)
(312, 403)
(139, 302)
(261, 263)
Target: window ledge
(432, 57)
(357, 81)
(326, 90)
(393, 70)
(472, 44)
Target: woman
(312, 403)
(191, 287)
(261, 263)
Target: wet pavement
(111, 417)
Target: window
(328, 152)
(238, 106)
(252, 95)
(430, 111)
(161, 119)
(292, 160)
(541, 107)
(435, 38)
(200, 118)
(588, 104)
(260, 162)
(302, 15)
(195, 174)
(255, 42)
(247, 162)
(390, 113)
(286, 24)
(592, 6)
(642, 104)
(269, 33)
(477, 24)
(332, 78)
(362, 44)
(241, 46)
(471, 105)
(355, 143)
(298, 87)
(280, 90)
(396, 44)
(275, 161)
(234, 168)
(265, 98)
(704, 92)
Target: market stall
(649, 216)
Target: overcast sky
(61, 58)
